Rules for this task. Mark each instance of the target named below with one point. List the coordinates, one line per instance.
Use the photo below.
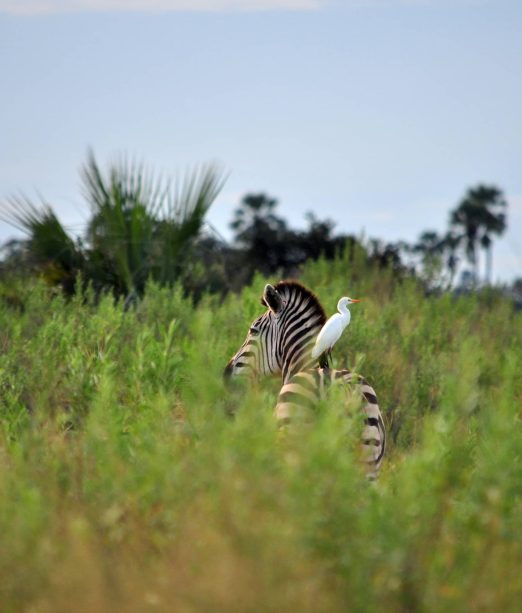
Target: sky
(378, 114)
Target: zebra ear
(272, 298)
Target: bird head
(345, 301)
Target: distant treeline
(143, 227)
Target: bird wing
(328, 335)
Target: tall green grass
(132, 479)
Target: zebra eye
(253, 330)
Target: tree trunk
(475, 267)
(489, 264)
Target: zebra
(280, 342)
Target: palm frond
(143, 225)
(49, 247)
(183, 216)
(47, 239)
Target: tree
(49, 250)
(430, 247)
(388, 254)
(480, 215)
(270, 246)
(261, 233)
(451, 242)
(141, 227)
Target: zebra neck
(301, 322)
(302, 360)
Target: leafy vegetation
(141, 227)
(132, 479)
(268, 245)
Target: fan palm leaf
(49, 246)
(182, 218)
(142, 225)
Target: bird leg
(323, 359)
(329, 359)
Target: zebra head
(280, 341)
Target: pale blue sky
(376, 113)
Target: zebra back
(304, 390)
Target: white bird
(332, 330)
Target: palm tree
(430, 246)
(451, 243)
(141, 227)
(49, 250)
(480, 214)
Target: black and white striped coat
(307, 388)
(280, 342)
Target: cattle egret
(332, 330)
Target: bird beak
(353, 300)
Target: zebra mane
(291, 287)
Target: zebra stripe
(301, 394)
